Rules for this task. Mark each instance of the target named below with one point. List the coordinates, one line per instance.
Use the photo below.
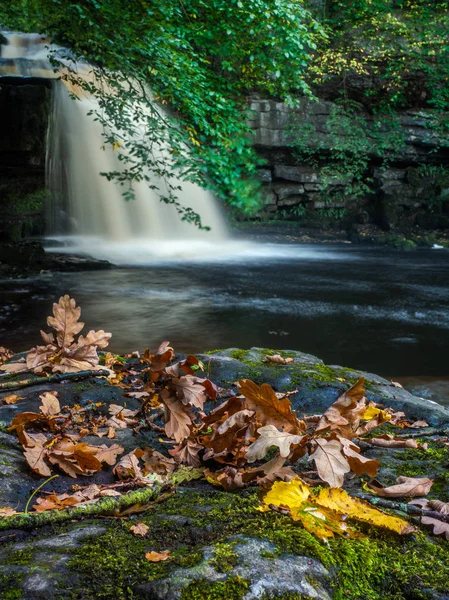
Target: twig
(56, 378)
(410, 509)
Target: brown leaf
(128, 467)
(7, 511)
(407, 486)
(189, 390)
(419, 424)
(359, 464)
(330, 462)
(270, 436)
(177, 419)
(108, 454)
(187, 453)
(139, 529)
(155, 462)
(277, 359)
(345, 413)
(83, 354)
(269, 410)
(228, 478)
(157, 556)
(439, 527)
(65, 321)
(388, 441)
(56, 502)
(5, 354)
(50, 404)
(11, 399)
(35, 458)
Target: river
(382, 311)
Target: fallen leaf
(388, 441)
(187, 453)
(407, 486)
(325, 514)
(50, 404)
(157, 556)
(270, 436)
(11, 399)
(269, 409)
(277, 359)
(359, 464)
(177, 418)
(139, 529)
(419, 424)
(7, 511)
(439, 527)
(345, 414)
(330, 462)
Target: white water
(91, 209)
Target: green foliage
(197, 58)
(400, 46)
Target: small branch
(409, 509)
(56, 378)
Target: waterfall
(88, 213)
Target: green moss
(20, 557)
(233, 588)
(225, 559)
(238, 354)
(10, 586)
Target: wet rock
(266, 578)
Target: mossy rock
(318, 385)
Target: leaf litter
(254, 438)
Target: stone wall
(411, 187)
(24, 113)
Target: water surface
(373, 309)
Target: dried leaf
(439, 527)
(7, 511)
(157, 556)
(345, 413)
(270, 436)
(178, 421)
(359, 464)
(388, 441)
(407, 486)
(139, 529)
(187, 453)
(65, 321)
(11, 399)
(330, 462)
(35, 457)
(50, 404)
(269, 409)
(277, 359)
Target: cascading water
(88, 206)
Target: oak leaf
(270, 436)
(187, 453)
(269, 409)
(11, 399)
(345, 414)
(50, 404)
(7, 511)
(178, 421)
(359, 464)
(277, 359)
(407, 486)
(325, 514)
(439, 527)
(330, 462)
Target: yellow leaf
(372, 411)
(341, 502)
(325, 514)
(291, 495)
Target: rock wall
(24, 112)
(402, 187)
